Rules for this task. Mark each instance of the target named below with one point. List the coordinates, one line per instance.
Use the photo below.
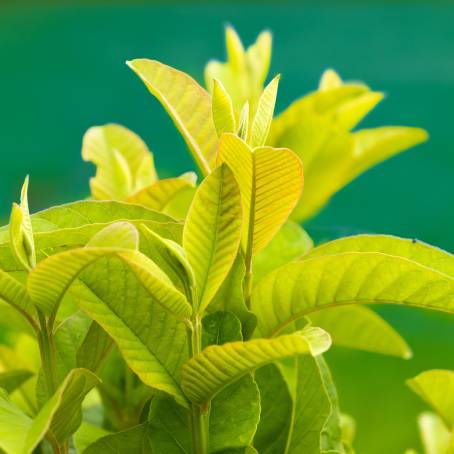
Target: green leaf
(436, 438)
(19, 434)
(134, 441)
(187, 103)
(290, 243)
(21, 233)
(262, 121)
(14, 293)
(50, 280)
(86, 435)
(223, 114)
(212, 232)
(220, 327)
(243, 124)
(270, 181)
(299, 289)
(230, 297)
(152, 341)
(13, 379)
(436, 387)
(171, 196)
(204, 375)
(124, 165)
(361, 328)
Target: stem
(248, 278)
(199, 415)
(47, 350)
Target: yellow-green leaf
(21, 232)
(223, 114)
(330, 79)
(270, 181)
(264, 115)
(212, 232)
(436, 387)
(436, 437)
(298, 289)
(187, 103)
(124, 164)
(204, 375)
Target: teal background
(62, 71)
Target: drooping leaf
(270, 181)
(124, 164)
(204, 375)
(134, 441)
(19, 434)
(21, 232)
(290, 243)
(212, 232)
(223, 114)
(187, 103)
(301, 288)
(361, 328)
(436, 387)
(262, 120)
(171, 196)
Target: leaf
(219, 328)
(299, 289)
(13, 379)
(50, 280)
(94, 348)
(171, 196)
(223, 114)
(187, 103)
(361, 328)
(436, 438)
(230, 297)
(21, 233)
(207, 373)
(436, 387)
(270, 181)
(86, 435)
(290, 243)
(134, 441)
(243, 127)
(14, 293)
(124, 164)
(212, 232)
(330, 79)
(264, 115)
(152, 341)
(19, 434)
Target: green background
(62, 71)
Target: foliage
(161, 317)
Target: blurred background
(63, 71)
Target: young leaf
(361, 328)
(243, 126)
(329, 80)
(21, 232)
(223, 114)
(19, 434)
(204, 375)
(264, 115)
(212, 232)
(359, 278)
(13, 379)
(14, 293)
(270, 181)
(436, 387)
(124, 164)
(436, 437)
(187, 103)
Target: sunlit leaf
(212, 232)
(223, 114)
(187, 103)
(330, 79)
(13, 379)
(260, 127)
(270, 181)
(124, 165)
(298, 289)
(204, 375)
(435, 436)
